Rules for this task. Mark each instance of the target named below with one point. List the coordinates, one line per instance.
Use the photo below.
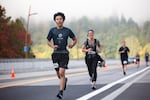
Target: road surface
(111, 85)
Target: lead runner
(60, 56)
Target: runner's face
(123, 44)
(91, 34)
(59, 21)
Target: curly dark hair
(59, 14)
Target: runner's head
(123, 43)
(59, 18)
(90, 34)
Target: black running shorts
(124, 61)
(61, 59)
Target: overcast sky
(139, 10)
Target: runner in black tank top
(91, 59)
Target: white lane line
(116, 93)
(91, 94)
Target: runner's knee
(62, 73)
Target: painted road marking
(27, 82)
(52, 78)
(39, 80)
(91, 94)
(116, 93)
(48, 79)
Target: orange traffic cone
(12, 74)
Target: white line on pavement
(91, 94)
(116, 93)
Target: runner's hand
(89, 49)
(123, 51)
(70, 46)
(55, 47)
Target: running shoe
(60, 95)
(124, 73)
(93, 86)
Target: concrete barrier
(34, 65)
(31, 65)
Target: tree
(146, 31)
(133, 44)
(12, 37)
(109, 31)
(123, 20)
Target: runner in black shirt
(124, 50)
(60, 56)
(146, 57)
(137, 59)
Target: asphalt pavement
(111, 85)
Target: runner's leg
(89, 64)
(94, 73)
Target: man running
(137, 59)
(60, 56)
(123, 51)
(146, 57)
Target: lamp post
(78, 36)
(26, 47)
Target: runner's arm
(74, 43)
(84, 49)
(51, 45)
(99, 48)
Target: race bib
(125, 62)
